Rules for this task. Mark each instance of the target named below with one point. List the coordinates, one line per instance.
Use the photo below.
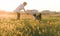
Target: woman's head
(24, 3)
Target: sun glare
(10, 5)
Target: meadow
(27, 26)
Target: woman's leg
(18, 15)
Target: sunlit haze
(10, 5)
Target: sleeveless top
(20, 7)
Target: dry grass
(27, 26)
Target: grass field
(48, 26)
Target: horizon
(40, 5)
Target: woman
(20, 7)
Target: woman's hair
(24, 3)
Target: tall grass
(29, 27)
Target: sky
(40, 5)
